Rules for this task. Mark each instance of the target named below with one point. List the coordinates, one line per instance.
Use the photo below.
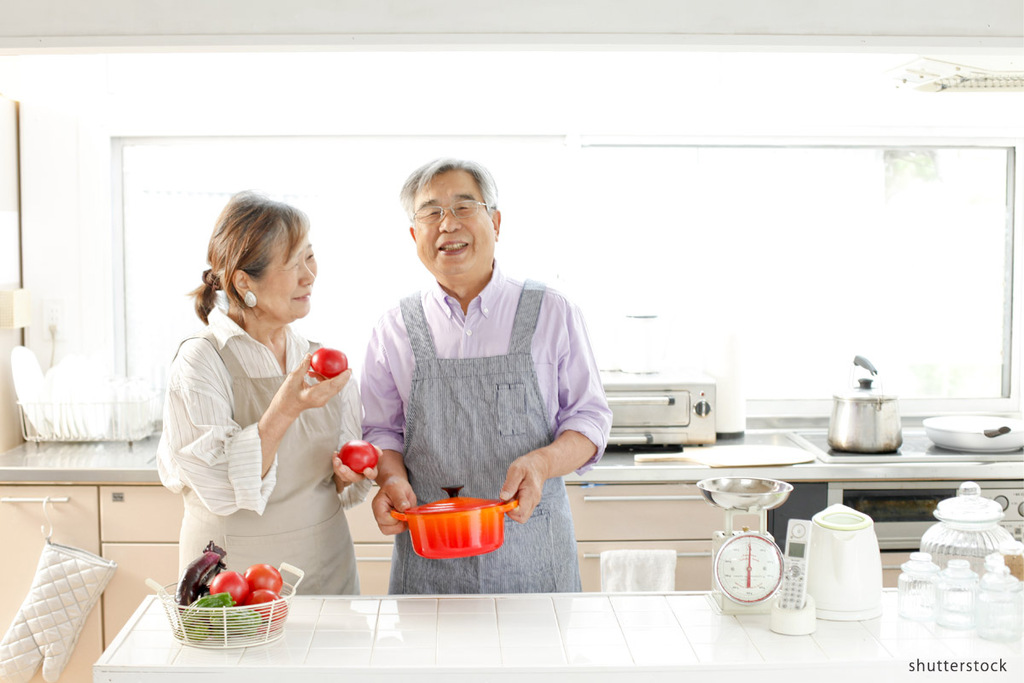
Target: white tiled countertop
(557, 637)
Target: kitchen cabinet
(647, 516)
(139, 528)
(74, 516)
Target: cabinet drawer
(642, 512)
(150, 514)
(693, 561)
(373, 562)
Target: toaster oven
(660, 409)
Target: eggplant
(195, 580)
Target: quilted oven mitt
(67, 584)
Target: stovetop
(917, 447)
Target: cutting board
(732, 456)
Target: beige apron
(303, 523)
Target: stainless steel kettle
(864, 420)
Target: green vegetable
(215, 600)
(244, 622)
(197, 624)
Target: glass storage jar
(958, 595)
(968, 528)
(1000, 601)
(916, 588)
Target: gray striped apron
(466, 420)
(303, 523)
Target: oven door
(901, 511)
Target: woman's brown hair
(247, 236)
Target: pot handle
(400, 516)
(509, 505)
(865, 363)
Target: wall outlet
(53, 314)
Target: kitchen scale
(747, 566)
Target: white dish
(966, 433)
(28, 376)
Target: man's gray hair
(424, 174)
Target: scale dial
(748, 568)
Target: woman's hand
(297, 394)
(294, 396)
(345, 475)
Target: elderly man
(484, 382)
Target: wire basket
(226, 627)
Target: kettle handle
(865, 363)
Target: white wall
(885, 24)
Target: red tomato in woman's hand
(233, 583)
(264, 577)
(329, 362)
(358, 455)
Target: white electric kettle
(844, 570)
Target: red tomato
(233, 583)
(258, 601)
(262, 595)
(329, 362)
(264, 577)
(358, 455)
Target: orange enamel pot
(456, 527)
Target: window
(809, 255)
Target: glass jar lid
(969, 507)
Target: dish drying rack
(124, 420)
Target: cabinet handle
(373, 559)
(595, 556)
(10, 499)
(641, 400)
(635, 499)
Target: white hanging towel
(638, 570)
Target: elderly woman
(249, 440)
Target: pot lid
(969, 507)
(457, 504)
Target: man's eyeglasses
(430, 215)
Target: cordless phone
(793, 591)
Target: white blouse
(203, 448)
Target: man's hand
(525, 481)
(395, 493)
(527, 474)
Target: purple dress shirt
(566, 369)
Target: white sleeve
(202, 447)
(352, 428)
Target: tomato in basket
(264, 576)
(233, 583)
(262, 601)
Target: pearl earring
(249, 299)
